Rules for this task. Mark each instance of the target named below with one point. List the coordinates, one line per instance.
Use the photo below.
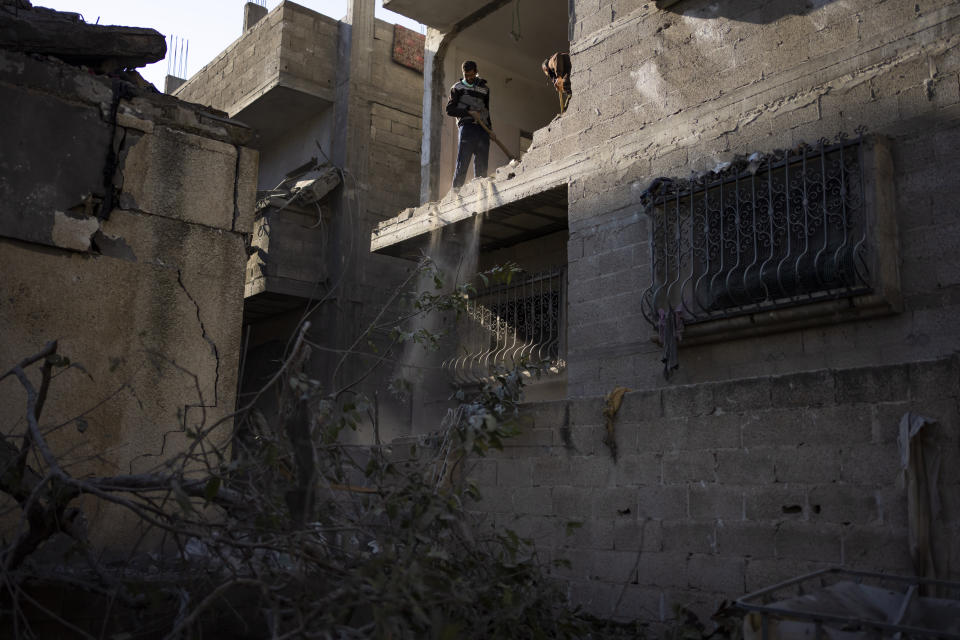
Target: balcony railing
(769, 232)
(521, 324)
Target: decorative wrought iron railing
(768, 232)
(520, 324)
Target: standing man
(470, 103)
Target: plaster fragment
(73, 233)
(130, 121)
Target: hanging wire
(515, 30)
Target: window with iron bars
(520, 324)
(769, 232)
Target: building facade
(336, 105)
(751, 204)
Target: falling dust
(454, 252)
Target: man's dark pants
(474, 142)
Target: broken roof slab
(516, 207)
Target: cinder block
(552, 471)
(641, 469)
(712, 573)
(515, 472)
(843, 504)
(689, 537)
(814, 388)
(870, 465)
(934, 380)
(494, 500)
(618, 567)
(693, 432)
(873, 384)
(575, 503)
(588, 441)
(742, 395)
(532, 500)
(542, 531)
(595, 598)
(754, 465)
(689, 466)
(843, 425)
(775, 502)
(482, 472)
(635, 535)
(875, 548)
(715, 502)
(662, 502)
(638, 603)
(746, 539)
(691, 400)
(808, 464)
(663, 569)
(587, 411)
(766, 572)
(547, 415)
(813, 542)
(892, 505)
(590, 534)
(885, 421)
(616, 502)
(591, 471)
(531, 437)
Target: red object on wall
(408, 47)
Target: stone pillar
(360, 16)
(252, 12)
(171, 84)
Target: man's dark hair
(469, 65)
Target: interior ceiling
(542, 29)
(439, 14)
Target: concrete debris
(302, 187)
(66, 36)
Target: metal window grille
(514, 325)
(768, 232)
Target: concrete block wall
(667, 92)
(146, 294)
(308, 53)
(720, 489)
(291, 45)
(250, 62)
(394, 159)
(395, 99)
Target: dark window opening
(768, 232)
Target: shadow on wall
(755, 11)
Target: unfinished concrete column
(252, 13)
(360, 17)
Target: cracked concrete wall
(148, 295)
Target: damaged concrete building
(741, 253)
(336, 106)
(122, 218)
